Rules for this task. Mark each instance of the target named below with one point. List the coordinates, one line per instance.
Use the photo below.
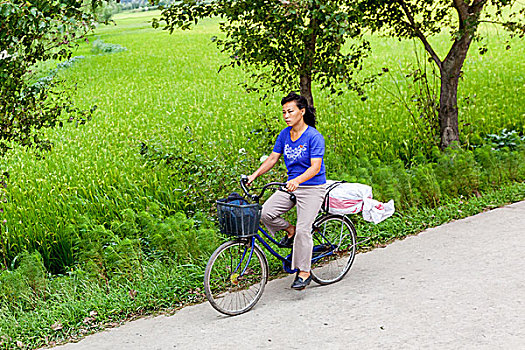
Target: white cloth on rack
(352, 198)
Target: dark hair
(301, 102)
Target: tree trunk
(448, 100)
(448, 110)
(305, 73)
(306, 88)
(450, 70)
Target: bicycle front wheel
(235, 277)
(334, 239)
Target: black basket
(241, 220)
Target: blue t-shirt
(297, 154)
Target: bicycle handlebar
(255, 197)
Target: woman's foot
(287, 240)
(302, 279)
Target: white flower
(242, 151)
(4, 55)
(263, 158)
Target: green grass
(164, 91)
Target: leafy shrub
(458, 173)
(99, 47)
(499, 166)
(120, 250)
(506, 140)
(25, 284)
(106, 11)
(47, 78)
(69, 63)
(404, 191)
(32, 268)
(455, 173)
(134, 4)
(13, 287)
(199, 172)
(34, 32)
(427, 191)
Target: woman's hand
(292, 185)
(307, 175)
(251, 178)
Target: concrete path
(460, 285)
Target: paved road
(460, 285)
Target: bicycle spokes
(334, 249)
(235, 277)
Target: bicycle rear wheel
(235, 277)
(334, 239)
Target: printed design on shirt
(294, 153)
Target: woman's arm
(307, 175)
(265, 166)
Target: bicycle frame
(265, 244)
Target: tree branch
(420, 35)
(462, 9)
(476, 6)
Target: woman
(303, 149)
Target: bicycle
(237, 271)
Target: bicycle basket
(241, 220)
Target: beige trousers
(309, 201)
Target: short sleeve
(279, 143)
(317, 146)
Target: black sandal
(287, 242)
(299, 283)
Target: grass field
(163, 96)
(164, 91)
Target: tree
(285, 44)
(33, 32)
(423, 18)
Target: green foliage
(426, 187)
(506, 140)
(197, 167)
(119, 251)
(105, 11)
(285, 44)
(500, 166)
(420, 99)
(458, 173)
(430, 17)
(13, 287)
(34, 32)
(455, 173)
(144, 5)
(76, 305)
(417, 219)
(26, 284)
(199, 133)
(100, 47)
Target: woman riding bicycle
(303, 149)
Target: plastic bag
(346, 198)
(352, 198)
(375, 211)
